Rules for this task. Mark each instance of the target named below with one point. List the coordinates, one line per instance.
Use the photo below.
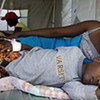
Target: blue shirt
(50, 43)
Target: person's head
(91, 74)
(11, 18)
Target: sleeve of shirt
(78, 91)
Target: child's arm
(25, 47)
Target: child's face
(92, 74)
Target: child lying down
(62, 68)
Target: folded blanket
(9, 83)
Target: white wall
(87, 10)
(74, 11)
(66, 12)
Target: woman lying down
(62, 68)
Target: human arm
(78, 91)
(67, 31)
(26, 47)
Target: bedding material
(12, 83)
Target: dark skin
(67, 31)
(91, 74)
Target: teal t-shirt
(50, 43)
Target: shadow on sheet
(19, 95)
